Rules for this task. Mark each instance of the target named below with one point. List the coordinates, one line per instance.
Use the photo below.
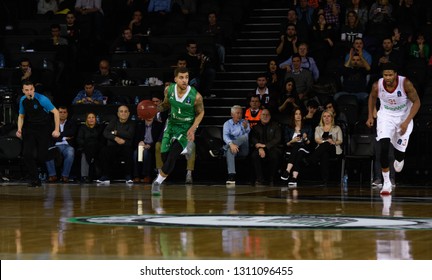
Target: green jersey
(182, 109)
(181, 117)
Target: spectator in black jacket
(119, 134)
(90, 143)
(265, 138)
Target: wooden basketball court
(48, 223)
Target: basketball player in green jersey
(187, 112)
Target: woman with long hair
(274, 75)
(288, 98)
(297, 145)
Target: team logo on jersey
(299, 221)
(399, 93)
(399, 141)
(35, 106)
(188, 100)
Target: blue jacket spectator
(88, 95)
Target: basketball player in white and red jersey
(399, 104)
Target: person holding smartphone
(329, 138)
(297, 141)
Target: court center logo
(260, 221)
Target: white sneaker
(386, 189)
(103, 180)
(188, 180)
(387, 199)
(155, 188)
(377, 183)
(398, 165)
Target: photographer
(201, 71)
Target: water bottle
(2, 61)
(124, 64)
(45, 64)
(137, 100)
(345, 183)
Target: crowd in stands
(322, 44)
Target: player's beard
(182, 86)
(389, 83)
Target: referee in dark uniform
(34, 127)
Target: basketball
(146, 110)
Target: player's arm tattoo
(164, 105)
(411, 91)
(199, 105)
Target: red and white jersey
(395, 103)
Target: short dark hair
(27, 82)
(261, 75)
(190, 42)
(55, 26)
(179, 70)
(253, 96)
(89, 82)
(312, 103)
(25, 59)
(181, 57)
(389, 66)
(295, 55)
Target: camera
(204, 58)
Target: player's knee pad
(399, 156)
(384, 157)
